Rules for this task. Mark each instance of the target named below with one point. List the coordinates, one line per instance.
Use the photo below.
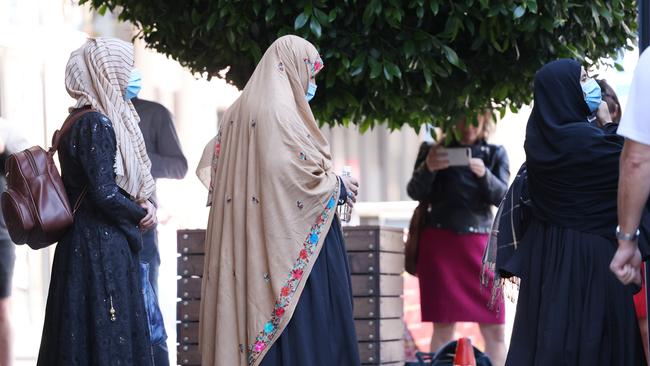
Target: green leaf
(300, 21)
(365, 126)
(532, 6)
(270, 14)
(519, 12)
(428, 77)
(439, 70)
(375, 68)
(605, 13)
(435, 6)
(595, 15)
(619, 67)
(451, 55)
(368, 15)
(321, 16)
(332, 16)
(102, 9)
(315, 27)
(256, 51)
(330, 79)
(393, 69)
(387, 74)
(357, 70)
(212, 21)
(420, 12)
(359, 59)
(452, 26)
(409, 48)
(231, 37)
(195, 16)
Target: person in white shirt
(634, 181)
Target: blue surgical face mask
(593, 96)
(311, 91)
(134, 85)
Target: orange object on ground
(464, 353)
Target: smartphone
(458, 156)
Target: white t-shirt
(635, 123)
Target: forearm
(633, 185)
(116, 206)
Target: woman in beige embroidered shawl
(276, 285)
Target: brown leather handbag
(412, 246)
(35, 205)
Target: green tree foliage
(400, 62)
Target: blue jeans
(149, 254)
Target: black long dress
(96, 265)
(321, 331)
(571, 308)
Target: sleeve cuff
(425, 172)
(343, 195)
(634, 135)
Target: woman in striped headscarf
(95, 311)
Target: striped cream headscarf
(97, 75)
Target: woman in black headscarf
(571, 309)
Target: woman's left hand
(150, 220)
(602, 114)
(477, 167)
(352, 187)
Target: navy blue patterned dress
(96, 265)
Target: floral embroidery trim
(268, 333)
(215, 160)
(314, 67)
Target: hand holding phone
(437, 159)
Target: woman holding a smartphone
(460, 193)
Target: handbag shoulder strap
(67, 125)
(56, 141)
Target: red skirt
(640, 302)
(449, 272)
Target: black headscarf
(572, 164)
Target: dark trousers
(149, 254)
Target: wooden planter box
(376, 258)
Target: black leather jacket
(459, 200)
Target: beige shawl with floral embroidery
(273, 195)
